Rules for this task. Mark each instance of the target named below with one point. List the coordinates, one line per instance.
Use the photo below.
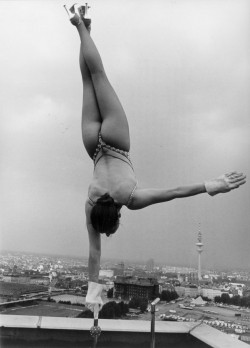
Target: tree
(134, 302)
(143, 305)
(124, 307)
(85, 314)
(236, 300)
(205, 298)
(167, 295)
(245, 301)
(217, 299)
(138, 302)
(118, 311)
(225, 298)
(110, 310)
(110, 293)
(65, 302)
(173, 295)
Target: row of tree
(168, 295)
(235, 300)
(113, 310)
(110, 310)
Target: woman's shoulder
(94, 192)
(125, 191)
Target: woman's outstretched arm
(225, 183)
(145, 197)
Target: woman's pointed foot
(84, 14)
(74, 15)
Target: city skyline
(183, 80)
(128, 262)
(39, 287)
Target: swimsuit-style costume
(104, 149)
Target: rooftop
(40, 331)
(136, 280)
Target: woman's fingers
(238, 178)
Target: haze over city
(181, 70)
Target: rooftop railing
(50, 332)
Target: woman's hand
(93, 299)
(225, 183)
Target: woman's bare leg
(114, 125)
(91, 118)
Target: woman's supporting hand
(225, 183)
(93, 299)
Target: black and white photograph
(124, 149)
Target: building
(108, 285)
(128, 287)
(246, 292)
(190, 277)
(191, 291)
(211, 293)
(187, 291)
(180, 291)
(166, 287)
(39, 280)
(129, 272)
(14, 278)
(106, 273)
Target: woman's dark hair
(105, 215)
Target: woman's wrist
(93, 278)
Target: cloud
(181, 69)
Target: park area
(44, 308)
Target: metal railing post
(95, 330)
(153, 322)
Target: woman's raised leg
(114, 125)
(91, 118)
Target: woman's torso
(113, 174)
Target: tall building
(150, 265)
(199, 249)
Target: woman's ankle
(76, 20)
(87, 23)
(74, 17)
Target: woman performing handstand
(105, 133)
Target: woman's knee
(95, 67)
(98, 77)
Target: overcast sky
(181, 69)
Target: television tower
(199, 245)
